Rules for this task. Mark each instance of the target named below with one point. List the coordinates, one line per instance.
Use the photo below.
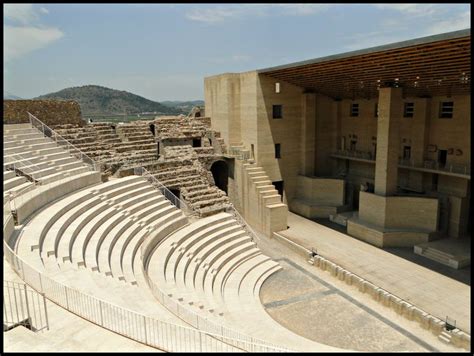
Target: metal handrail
(137, 326)
(179, 203)
(23, 306)
(188, 316)
(20, 164)
(35, 122)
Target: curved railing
(239, 339)
(188, 210)
(136, 326)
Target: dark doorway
(406, 152)
(353, 145)
(220, 173)
(174, 198)
(434, 183)
(442, 155)
(196, 142)
(152, 129)
(197, 114)
(374, 152)
(279, 187)
(158, 149)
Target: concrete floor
(68, 333)
(429, 290)
(462, 275)
(315, 305)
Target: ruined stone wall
(51, 112)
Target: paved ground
(314, 304)
(431, 291)
(68, 333)
(462, 275)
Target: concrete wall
(410, 213)
(451, 133)
(321, 191)
(51, 112)
(312, 128)
(285, 131)
(222, 98)
(364, 126)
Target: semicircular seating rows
(213, 268)
(36, 157)
(91, 235)
(99, 239)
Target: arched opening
(152, 129)
(220, 173)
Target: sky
(164, 51)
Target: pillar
(420, 130)
(386, 164)
(308, 132)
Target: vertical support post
(144, 327)
(45, 311)
(26, 299)
(67, 300)
(41, 283)
(101, 315)
(200, 341)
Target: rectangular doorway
(442, 156)
(196, 142)
(279, 187)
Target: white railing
(24, 306)
(253, 235)
(136, 326)
(22, 164)
(60, 141)
(355, 154)
(220, 332)
(188, 210)
(434, 165)
(180, 204)
(238, 153)
(239, 339)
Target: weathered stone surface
(51, 112)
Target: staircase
(445, 337)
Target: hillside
(95, 100)
(9, 96)
(185, 106)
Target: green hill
(97, 100)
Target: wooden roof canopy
(424, 67)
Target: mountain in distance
(98, 100)
(184, 106)
(9, 96)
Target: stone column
(388, 137)
(308, 132)
(419, 140)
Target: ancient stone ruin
(176, 150)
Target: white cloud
(458, 22)
(435, 20)
(411, 9)
(214, 15)
(21, 40)
(372, 39)
(23, 13)
(219, 14)
(302, 9)
(27, 35)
